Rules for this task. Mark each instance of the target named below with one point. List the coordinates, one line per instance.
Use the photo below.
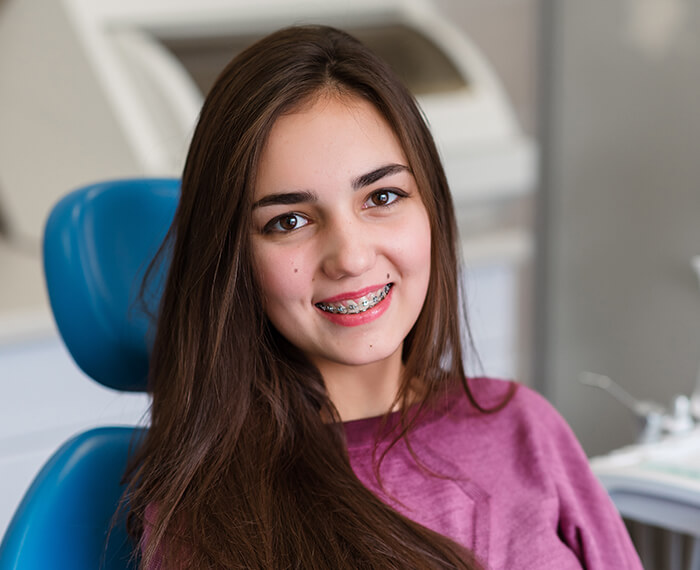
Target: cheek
(281, 277)
(415, 250)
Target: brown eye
(286, 223)
(380, 198)
(289, 222)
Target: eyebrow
(286, 198)
(377, 174)
(306, 196)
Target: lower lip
(360, 318)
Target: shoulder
(529, 462)
(530, 427)
(511, 400)
(520, 399)
(517, 415)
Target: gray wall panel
(623, 208)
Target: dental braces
(352, 308)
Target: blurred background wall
(507, 33)
(619, 207)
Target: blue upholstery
(66, 514)
(97, 245)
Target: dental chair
(98, 243)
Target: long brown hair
(241, 467)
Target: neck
(363, 391)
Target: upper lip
(352, 294)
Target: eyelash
(398, 194)
(270, 227)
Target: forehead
(329, 139)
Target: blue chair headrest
(98, 243)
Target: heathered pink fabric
(517, 488)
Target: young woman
(310, 407)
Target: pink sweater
(519, 491)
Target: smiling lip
(352, 295)
(356, 319)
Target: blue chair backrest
(98, 243)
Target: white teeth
(354, 306)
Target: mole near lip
(351, 294)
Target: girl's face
(341, 236)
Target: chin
(365, 356)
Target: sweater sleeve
(588, 521)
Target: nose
(349, 250)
